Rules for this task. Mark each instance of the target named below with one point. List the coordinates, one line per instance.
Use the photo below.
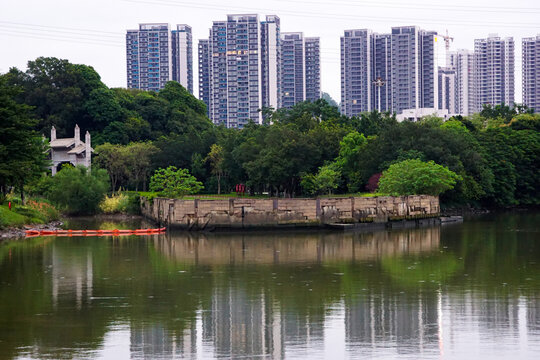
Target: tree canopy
(417, 177)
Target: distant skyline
(93, 33)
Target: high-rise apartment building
(271, 62)
(462, 61)
(447, 90)
(235, 71)
(531, 72)
(381, 78)
(312, 53)
(155, 55)
(204, 73)
(414, 69)
(182, 50)
(356, 71)
(300, 70)
(149, 57)
(493, 71)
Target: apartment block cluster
(401, 72)
(247, 65)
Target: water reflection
(460, 291)
(287, 248)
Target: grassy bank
(152, 195)
(34, 212)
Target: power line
(68, 35)
(419, 6)
(331, 15)
(64, 39)
(58, 27)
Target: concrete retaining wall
(202, 214)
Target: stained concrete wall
(201, 214)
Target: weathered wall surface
(201, 214)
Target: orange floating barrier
(115, 232)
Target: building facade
(381, 78)
(235, 71)
(462, 61)
(70, 150)
(312, 53)
(356, 72)
(531, 72)
(271, 62)
(204, 73)
(388, 72)
(447, 90)
(414, 69)
(493, 71)
(156, 55)
(300, 71)
(149, 57)
(182, 55)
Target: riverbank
(10, 233)
(35, 214)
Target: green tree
(114, 159)
(77, 190)
(325, 181)
(64, 94)
(138, 161)
(216, 159)
(328, 98)
(350, 150)
(22, 149)
(416, 177)
(173, 182)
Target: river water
(458, 291)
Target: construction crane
(447, 39)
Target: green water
(458, 291)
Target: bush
(114, 204)
(35, 212)
(416, 177)
(76, 190)
(44, 210)
(172, 182)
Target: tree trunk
(219, 184)
(23, 202)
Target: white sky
(93, 32)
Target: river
(457, 291)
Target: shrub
(114, 204)
(76, 190)
(373, 182)
(416, 177)
(46, 211)
(173, 182)
(324, 182)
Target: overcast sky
(93, 32)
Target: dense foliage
(172, 182)
(22, 150)
(76, 190)
(417, 177)
(308, 149)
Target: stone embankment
(243, 213)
